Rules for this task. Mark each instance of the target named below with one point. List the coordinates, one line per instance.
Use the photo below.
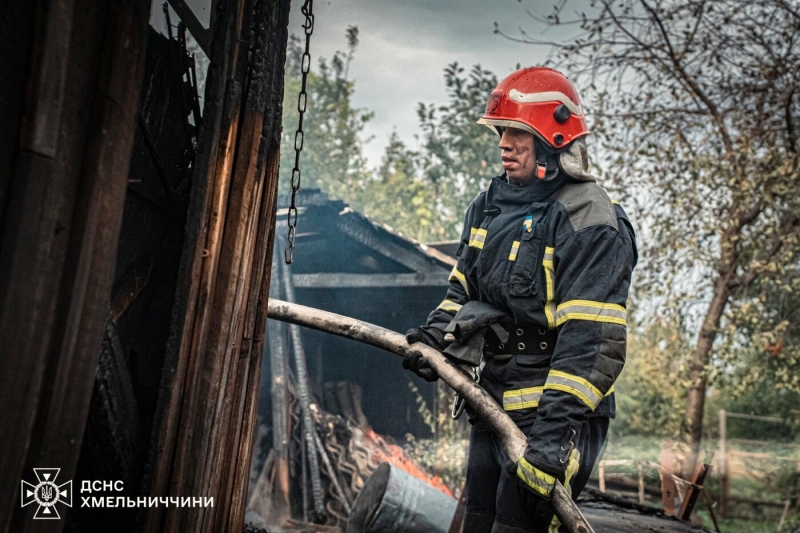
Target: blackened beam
(200, 34)
(357, 281)
(368, 236)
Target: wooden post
(783, 515)
(641, 483)
(601, 471)
(304, 397)
(280, 405)
(207, 417)
(798, 494)
(724, 484)
(668, 488)
(693, 491)
(70, 142)
(711, 510)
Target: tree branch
(691, 82)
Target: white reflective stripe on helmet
(547, 96)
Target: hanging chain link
(302, 100)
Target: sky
(405, 46)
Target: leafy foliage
(459, 157)
(652, 386)
(332, 158)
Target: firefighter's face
(519, 158)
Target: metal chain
(302, 100)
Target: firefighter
(542, 280)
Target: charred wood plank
(279, 393)
(693, 491)
(16, 49)
(362, 231)
(207, 419)
(200, 34)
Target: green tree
(651, 388)
(332, 158)
(459, 157)
(695, 108)
(762, 334)
(398, 197)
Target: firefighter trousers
(494, 504)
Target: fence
(750, 478)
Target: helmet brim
(493, 124)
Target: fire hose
(511, 437)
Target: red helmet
(539, 100)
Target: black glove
(414, 361)
(429, 335)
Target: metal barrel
(393, 501)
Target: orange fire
(391, 453)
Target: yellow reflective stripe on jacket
(569, 475)
(449, 305)
(477, 236)
(549, 276)
(456, 275)
(514, 250)
(575, 385)
(589, 310)
(539, 481)
(522, 398)
(528, 398)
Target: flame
(393, 454)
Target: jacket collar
(503, 192)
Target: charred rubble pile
(349, 452)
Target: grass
(755, 478)
(771, 475)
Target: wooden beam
(206, 422)
(361, 281)
(693, 491)
(668, 488)
(200, 34)
(364, 232)
(279, 392)
(17, 22)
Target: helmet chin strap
(541, 168)
(546, 161)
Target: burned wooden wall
(70, 74)
(70, 78)
(129, 374)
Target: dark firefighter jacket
(557, 255)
